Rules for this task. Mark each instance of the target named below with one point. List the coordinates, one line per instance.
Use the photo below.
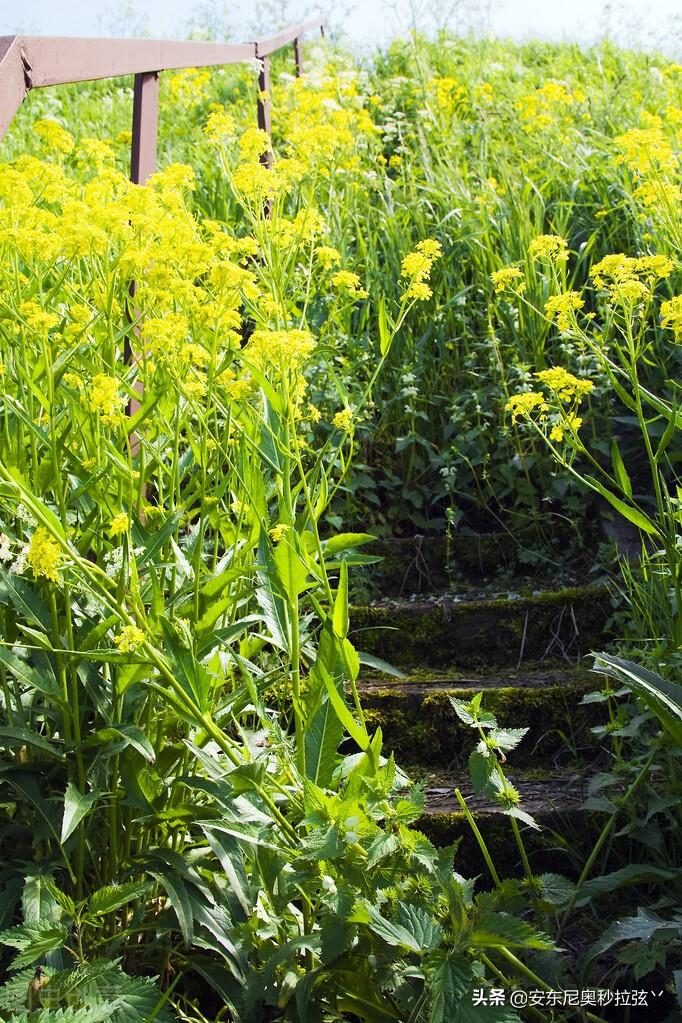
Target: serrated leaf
(450, 981)
(112, 897)
(555, 889)
(502, 929)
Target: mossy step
(556, 625)
(556, 803)
(426, 681)
(419, 723)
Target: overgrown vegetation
(451, 304)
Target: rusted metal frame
(298, 57)
(142, 165)
(264, 106)
(61, 60)
(13, 80)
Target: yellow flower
(416, 268)
(344, 280)
(508, 278)
(571, 423)
(119, 524)
(278, 531)
(645, 150)
(129, 639)
(219, 126)
(253, 143)
(671, 316)
(562, 308)
(284, 348)
(549, 246)
(343, 420)
(103, 397)
(564, 384)
(521, 405)
(44, 555)
(37, 318)
(53, 135)
(327, 255)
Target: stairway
(528, 655)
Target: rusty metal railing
(35, 62)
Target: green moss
(486, 633)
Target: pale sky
(640, 22)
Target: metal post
(264, 105)
(145, 126)
(298, 57)
(142, 166)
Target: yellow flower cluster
(508, 278)
(569, 422)
(416, 269)
(36, 318)
(286, 349)
(278, 532)
(219, 127)
(119, 525)
(526, 402)
(565, 385)
(349, 282)
(343, 420)
(552, 102)
(646, 151)
(563, 308)
(129, 639)
(44, 555)
(103, 396)
(53, 135)
(548, 247)
(628, 279)
(671, 316)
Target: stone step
(419, 724)
(554, 626)
(555, 801)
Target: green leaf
(450, 980)
(111, 897)
(176, 890)
(500, 929)
(370, 661)
(555, 889)
(426, 931)
(642, 927)
(632, 874)
(392, 933)
(291, 569)
(629, 512)
(619, 470)
(194, 678)
(345, 541)
(77, 805)
(384, 335)
(323, 736)
(15, 738)
(40, 903)
(33, 943)
(662, 697)
(340, 612)
(28, 675)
